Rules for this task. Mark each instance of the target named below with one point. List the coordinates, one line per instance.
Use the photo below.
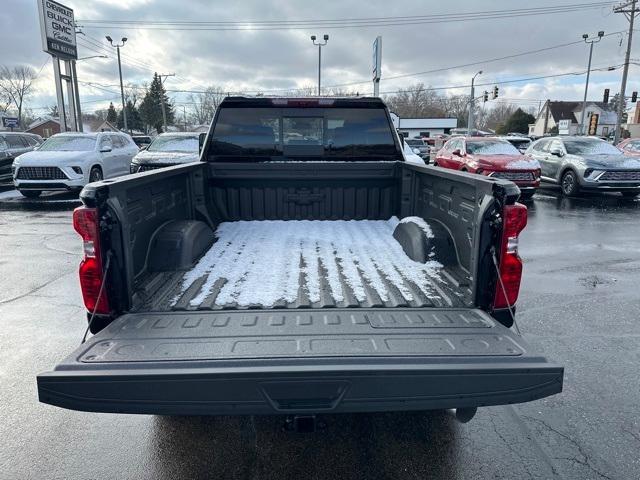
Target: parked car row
(574, 163)
(13, 144)
(70, 160)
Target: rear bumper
(266, 362)
(392, 386)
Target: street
(578, 304)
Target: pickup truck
(302, 266)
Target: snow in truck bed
(327, 263)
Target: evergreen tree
(151, 106)
(111, 114)
(134, 121)
(518, 122)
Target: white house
(565, 116)
(423, 127)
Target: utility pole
(117, 47)
(629, 10)
(472, 104)
(590, 41)
(320, 45)
(163, 77)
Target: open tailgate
(300, 361)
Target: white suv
(68, 161)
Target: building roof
(42, 121)
(561, 110)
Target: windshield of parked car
(489, 147)
(589, 146)
(633, 146)
(68, 143)
(281, 134)
(175, 143)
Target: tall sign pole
(57, 28)
(377, 65)
(629, 9)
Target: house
(98, 125)
(44, 126)
(564, 118)
(423, 127)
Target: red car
(493, 157)
(630, 147)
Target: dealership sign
(58, 31)
(10, 122)
(377, 59)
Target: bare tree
(16, 84)
(457, 106)
(497, 116)
(206, 103)
(416, 101)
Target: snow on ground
(261, 261)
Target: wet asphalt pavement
(579, 304)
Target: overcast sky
(267, 60)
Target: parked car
(493, 157)
(167, 149)
(521, 143)
(142, 141)
(630, 147)
(299, 278)
(13, 144)
(431, 140)
(68, 161)
(586, 163)
(419, 147)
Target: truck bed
(306, 264)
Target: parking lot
(578, 304)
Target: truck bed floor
(307, 264)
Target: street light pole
(117, 47)
(472, 104)
(590, 41)
(320, 45)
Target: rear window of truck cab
(247, 134)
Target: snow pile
(260, 262)
(524, 163)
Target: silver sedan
(586, 163)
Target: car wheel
(569, 183)
(30, 193)
(435, 164)
(95, 175)
(630, 194)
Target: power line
(342, 23)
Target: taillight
(515, 219)
(85, 222)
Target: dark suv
(13, 144)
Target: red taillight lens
(515, 219)
(85, 222)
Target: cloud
(284, 59)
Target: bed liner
(307, 264)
